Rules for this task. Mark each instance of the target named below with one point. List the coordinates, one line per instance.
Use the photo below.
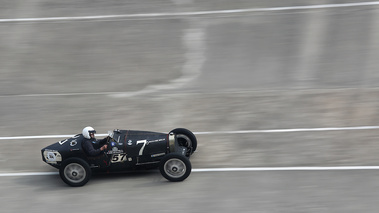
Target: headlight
(52, 156)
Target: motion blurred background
(158, 65)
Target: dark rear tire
(175, 167)
(187, 139)
(75, 172)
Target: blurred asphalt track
(219, 71)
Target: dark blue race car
(127, 150)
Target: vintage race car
(127, 150)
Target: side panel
(117, 152)
(146, 146)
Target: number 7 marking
(143, 146)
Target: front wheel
(187, 139)
(75, 172)
(175, 167)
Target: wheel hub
(175, 168)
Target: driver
(89, 140)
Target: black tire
(175, 167)
(75, 172)
(186, 138)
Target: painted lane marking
(219, 132)
(43, 137)
(215, 12)
(261, 169)
(243, 169)
(18, 174)
(290, 130)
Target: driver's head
(89, 132)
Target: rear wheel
(175, 167)
(187, 139)
(75, 172)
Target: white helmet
(86, 131)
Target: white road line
(219, 132)
(242, 169)
(18, 174)
(290, 130)
(43, 137)
(155, 15)
(260, 169)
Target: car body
(127, 150)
